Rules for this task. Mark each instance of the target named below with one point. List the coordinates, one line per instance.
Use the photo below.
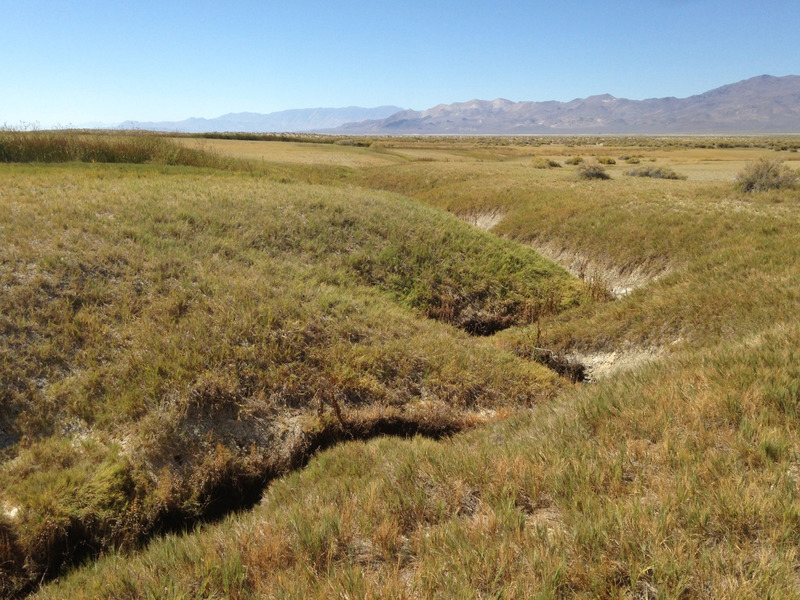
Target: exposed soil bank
(599, 365)
(617, 280)
(484, 220)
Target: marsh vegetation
(179, 337)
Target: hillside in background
(305, 119)
(764, 104)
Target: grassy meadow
(360, 344)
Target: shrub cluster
(606, 160)
(656, 173)
(575, 160)
(765, 174)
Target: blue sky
(71, 62)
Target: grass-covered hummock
(172, 340)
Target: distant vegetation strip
(139, 146)
(104, 147)
(266, 137)
(787, 143)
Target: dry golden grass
(294, 153)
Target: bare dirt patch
(484, 220)
(600, 365)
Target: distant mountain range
(764, 104)
(297, 120)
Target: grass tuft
(655, 173)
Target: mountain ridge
(762, 104)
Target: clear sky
(69, 62)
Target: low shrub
(545, 163)
(592, 171)
(656, 173)
(575, 160)
(606, 160)
(765, 174)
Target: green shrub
(655, 172)
(575, 160)
(606, 160)
(765, 174)
(592, 171)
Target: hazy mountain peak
(296, 120)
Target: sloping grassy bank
(719, 263)
(170, 340)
